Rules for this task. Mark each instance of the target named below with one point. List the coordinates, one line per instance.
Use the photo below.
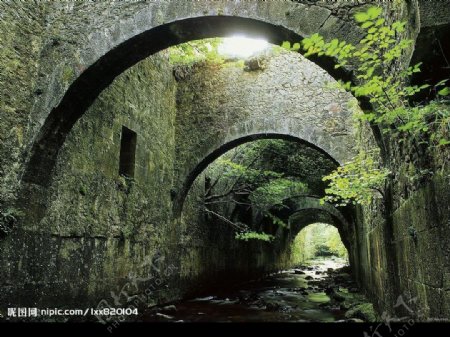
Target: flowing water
(308, 293)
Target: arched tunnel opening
(263, 192)
(179, 160)
(319, 241)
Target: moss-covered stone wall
(22, 27)
(406, 256)
(99, 226)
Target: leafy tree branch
(373, 59)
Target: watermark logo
(405, 302)
(145, 285)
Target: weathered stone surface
(93, 221)
(434, 13)
(76, 251)
(423, 261)
(22, 27)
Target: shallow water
(283, 297)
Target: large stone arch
(291, 98)
(97, 56)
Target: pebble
(169, 308)
(164, 316)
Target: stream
(319, 291)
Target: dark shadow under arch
(203, 164)
(301, 203)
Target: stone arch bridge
(80, 77)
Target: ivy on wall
(359, 180)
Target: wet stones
(273, 307)
(158, 314)
(363, 311)
(169, 309)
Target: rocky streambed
(320, 291)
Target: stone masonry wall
(99, 226)
(413, 262)
(286, 95)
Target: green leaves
(399, 27)
(362, 17)
(379, 22)
(314, 44)
(443, 142)
(242, 178)
(356, 182)
(195, 51)
(382, 46)
(366, 19)
(296, 47)
(275, 191)
(374, 12)
(251, 235)
(444, 92)
(374, 55)
(367, 24)
(291, 47)
(286, 45)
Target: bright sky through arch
(242, 47)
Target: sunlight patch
(242, 47)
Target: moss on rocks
(364, 311)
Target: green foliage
(251, 176)
(431, 120)
(323, 250)
(242, 177)
(317, 239)
(336, 245)
(265, 189)
(276, 220)
(387, 90)
(444, 92)
(196, 51)
(356, 182)
(251, 235)
(275, 191)
(375, 55)
(364, 311)
(296, 161)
